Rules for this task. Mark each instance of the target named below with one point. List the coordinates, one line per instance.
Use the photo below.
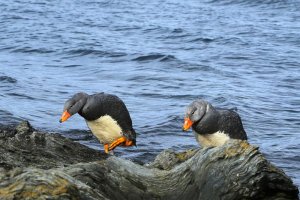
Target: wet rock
(37, 165)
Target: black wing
(231, 123)
(107, 104)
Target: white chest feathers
(212, 140)
(106, 129)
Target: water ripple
(32, 50)
(7, 79)
(151, 57)
(84, 52)
(22, 96)
(200, 39)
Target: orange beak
(187, 124)
(66, 115)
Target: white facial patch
(106, 129)
(212, 140)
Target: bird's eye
(193, 112)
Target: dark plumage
(213, 126)
(105, 114)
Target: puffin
(106, 116)
(212, 126)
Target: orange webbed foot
(116, 143)
(128, 143)
(106, 148)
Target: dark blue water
(158, 56)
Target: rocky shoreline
(37, 165)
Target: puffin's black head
(194, 113)
(73, 106)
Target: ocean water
(158, 56)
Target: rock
(23, 147)
(24, 127)
(49, 166)
(32, 183)
(168, 158)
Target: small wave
(197, 67)
(144, 156)
(72, 66)
(205, 40)
(79, 135)
(273, 3)
(159, 57)
(7, 48)
(21, 96)
(14, 17)
(237, 58)
(177, 36)
(167, 58)
(8, 118)
(5, 113)
(148, 57)
(126, 28)
(7, 79)
(177, 30)
(32, 50)
(84, 52)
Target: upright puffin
(213, 126)
(106, 116)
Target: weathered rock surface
(36, 165)
(22, 146)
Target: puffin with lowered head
(213, 126)
(106, 116)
